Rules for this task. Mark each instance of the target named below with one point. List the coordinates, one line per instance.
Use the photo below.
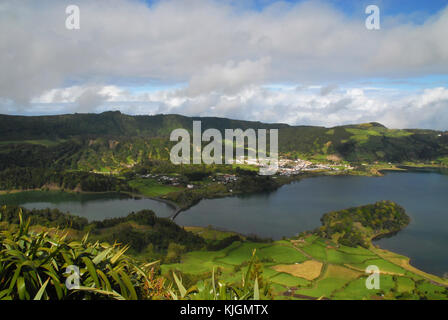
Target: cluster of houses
(225, 178)
(174, 181)
(287, 167)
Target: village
(286, 167)
(289, 167)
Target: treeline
(193, 172)
(247, 182)
(51, 218)
(161, 232)
(147, 234)
(34, 178)
(138, 229)
(22, 154)
(358, 225)
(83, 153)
(250, 182)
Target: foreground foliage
(34, 266)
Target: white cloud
(426, 109)
(227, 58)
(228, 78)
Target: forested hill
(92, 139)
(110, 123)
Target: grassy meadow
(314, 268)
(152, 188)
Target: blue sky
(388, 7)
(354, 7)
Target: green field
(152, 188)
(342, 276)
(210, 233)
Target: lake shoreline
(177, 210)
(281, 180)
(285, 180)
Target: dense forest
(357, 226)
(36, 178)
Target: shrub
(33, 265)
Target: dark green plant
(250, 287)
(33, 265)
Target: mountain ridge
(97, 133)
(107, 114)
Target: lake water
(93, 206)
(299, 206)
(294, 208)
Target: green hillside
(112, 141)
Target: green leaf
(129, 285)
(256, 290)
(101, 256)
(213, 284)
(113, 294)
(21, 289)
(92, 271)
(41, 291)
(119, 254)
(106, 282)
(180, 286)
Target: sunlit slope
(317, 268)
(112, 140)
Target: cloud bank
(221, 60)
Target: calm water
(92, 206)
(294, 208)
(299, 206)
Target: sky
(297, 62)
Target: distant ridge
(356, 142)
